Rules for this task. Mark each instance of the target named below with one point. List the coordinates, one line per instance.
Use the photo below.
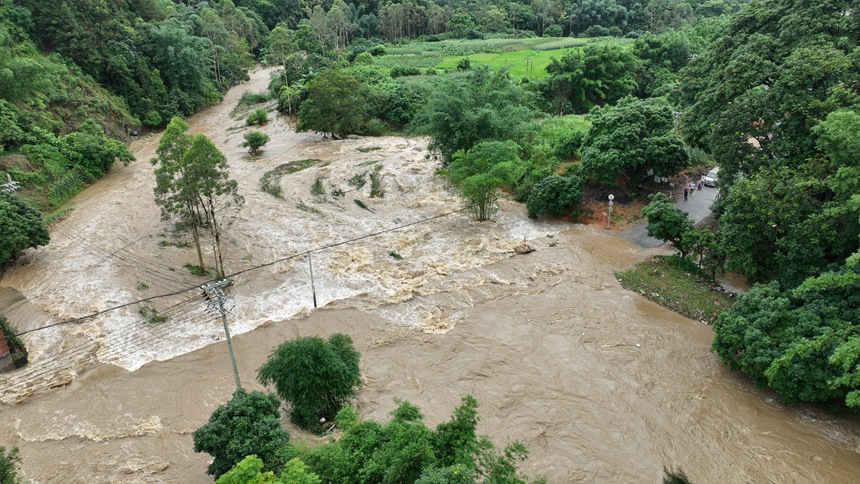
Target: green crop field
(518, 62)
(524, 57)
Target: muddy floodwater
(599, 383)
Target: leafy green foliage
(464, 110)
(21, 225)
(595, 75)
(250, 471)
(314, 376)
(630, 138)
(9, 463)
(481, 171)
(334, 105)
(259, 116)
(666, 222)
(254, 141)
(249, 424)
(405, 450)
(801, 342)
(192, 185)
(771, 75)
(555, 196)
(786, 225)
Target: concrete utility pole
(215, 300)
(677, 116)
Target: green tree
(193, 186)
(802, 342)
(481, 171)
(208, 180)
(22, 227)
(405, 450)
(631, 139)
(175, 202)
(248, 471)
(555, 195)
(595, 75)
(254, 141)
(667, 223)
(314, 376)
(249, 424)
(753, 95)
(464, 110)
(9, 463)
(334, 105)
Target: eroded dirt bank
(602, 385)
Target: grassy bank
(678, 285)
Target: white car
(712, 177)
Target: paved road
(697, 206)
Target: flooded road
(599, 383)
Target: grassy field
(524, 57)
(677, 286)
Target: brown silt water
(599, 383)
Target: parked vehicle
(712, 177)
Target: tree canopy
(21, 225)
(314, 376)
(465, 109)
(249, 424)
(632, 139)
(334, 105)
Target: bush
(553, 31)
(401, 71)
(364, 58)
(21, 225)
(375, 127)
(152, 118)
(258, 117)
(249, 424)
(254, 141)
(8, 466)
(464, 65)
(251, 98)
(555, 196)
(315, 377)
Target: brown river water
(599, 383)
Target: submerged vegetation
(270, 182)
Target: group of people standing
(693, 186)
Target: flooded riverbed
(599, 383)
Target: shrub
(152, 118)
(464, 65)
(248, 424)
(254, 141)
(554, 196)
(401, 71)
(258, 117)
(553, 31)
(314, 376)
(365, 58)
(375, 127)
(8, 466)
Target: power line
(250, 269)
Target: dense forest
(769, 90)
